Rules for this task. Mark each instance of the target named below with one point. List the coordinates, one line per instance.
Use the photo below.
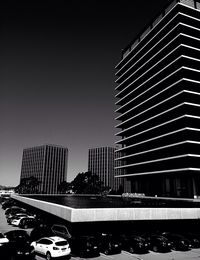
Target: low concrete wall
(111, 214)
(55, 209)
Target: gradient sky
(57, 78)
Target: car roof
(55, 238)
(27, 217)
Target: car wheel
(131, 250)
(155, 248)
(82, 254)
(12, 257)
(48, 256)
(106, 252)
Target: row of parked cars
(18, 216)
(55, 240)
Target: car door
(46, 246)
(41, 245)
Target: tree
(28, 185)
(64, 187)
(33, 183)
(87, 183)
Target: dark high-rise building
(48, 164)
(101, 162)
(158, 99)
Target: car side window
(45, 241)
(58, 229)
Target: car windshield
(17, 217)
(61, 243)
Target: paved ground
(174, 255)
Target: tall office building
(158, 99)
(101, 162)
(48, 164)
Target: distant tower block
(47, 163)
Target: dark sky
(57, 62)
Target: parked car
(159, 243)
(109, 244)
(13, 210)
(41, 231)
(134, 244)
(8, 203)
(84, 246)
(193, 238)
(4, 252)
(28, 222)
(16, 221)
(3, 239)
(179, 242)
(61, 231)
(11, 217)
(52, 247)
(19, 245)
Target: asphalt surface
(173, 255)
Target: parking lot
(173, 255)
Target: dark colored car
(84, 246)
(41, 231)
(19, 246)
(3, 247)
(179, 242)
(193, 238)
(61, 231)
(17, 235)
(8, 203)
(13, 210)
(27, 222)
(5, 253)
(109, 244)
(134, 244)
(158, 243)
(16, 215)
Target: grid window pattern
(158, 105)
(101, 162)
(48, 163)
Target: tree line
(83, 183)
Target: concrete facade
(111, 214)
(101, 162)
(158, 105)
(48, 164)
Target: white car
(16, 221)
(52, 247)
(3, 239)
